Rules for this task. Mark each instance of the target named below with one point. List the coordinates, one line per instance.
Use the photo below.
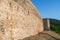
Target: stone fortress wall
(19, 19)
(46, 24)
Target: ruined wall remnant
(46, 24)
(18, 19)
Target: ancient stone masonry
(18, 19)
(46, 24)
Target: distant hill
(55, 21)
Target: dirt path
(46, 35)
(57, 36)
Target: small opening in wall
(10, 4)
(7, 17)
(28, 12)
(2, 29)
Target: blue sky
(48, 8)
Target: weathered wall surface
(18, 19)
(46, 24)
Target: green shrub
(55, 27)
